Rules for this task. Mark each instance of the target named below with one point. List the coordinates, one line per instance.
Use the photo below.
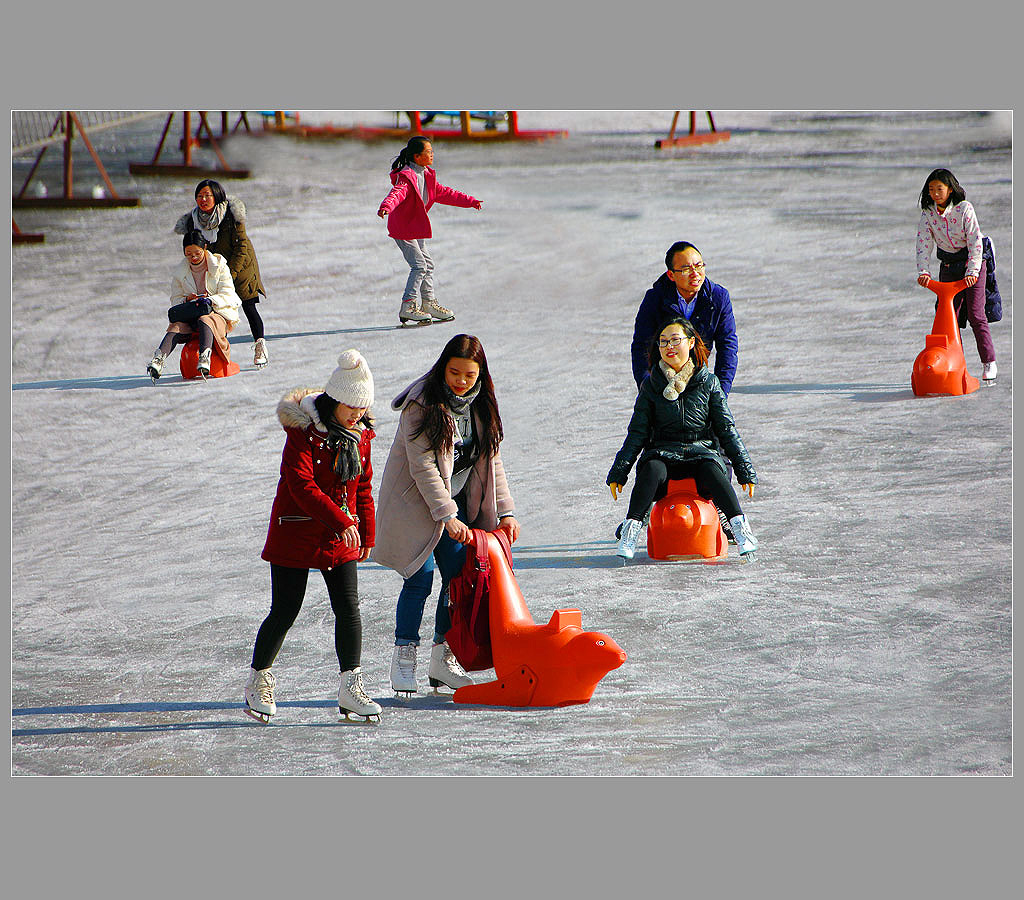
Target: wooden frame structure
(24, 237)
(465, 132)
(69, 123)
(706, 137)
(187, 142)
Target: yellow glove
(616, 490)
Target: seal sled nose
(557, 664)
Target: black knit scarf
(347, 464)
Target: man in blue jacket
(684, 291)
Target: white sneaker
(156, 366)
(403, 669)
(445, 668)
(259, 694)
(627, 542)
(438, 312)
(989, 372)
(204, 362)
(745, 539)
(352, 698)
(410, 313)
(259, 353)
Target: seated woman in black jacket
(679, 411)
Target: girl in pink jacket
(415, 190)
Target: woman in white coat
(444, 476)
(201, 274)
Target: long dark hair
(698, 353)
(437, 424)
(218, 192)
(958, 194)
(413, 148)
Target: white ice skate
(437, 312)
(988, 373)
(627, 543)
(353, 699)
(156, 366)
(259, 695)
(204, 363)
(445, 669)
(403, 669)
(259, 353)
(745, 539)
(410, 314)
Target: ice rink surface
(871, 637)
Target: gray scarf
(460, 405)
(208, 223)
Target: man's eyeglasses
(670, 342)
(696, 267)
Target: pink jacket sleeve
(395, 196)
(451, 197)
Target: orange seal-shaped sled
(219, 367)
(941, 368)
(557, 664)
(685, 526)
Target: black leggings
(173, 338)
(288, 587)
(654, 473)
(253, 316)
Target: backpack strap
(504, 544)
(483, 569)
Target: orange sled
(557, 664)
(940, 369)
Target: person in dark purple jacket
(684, 290)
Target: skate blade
(437, 685)
(358, 718)
(988, 382)
(404, 695)
(264, 718)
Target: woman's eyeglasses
(696, 267)
(670, 342)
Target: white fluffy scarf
(677, 381)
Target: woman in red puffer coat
(322, 518)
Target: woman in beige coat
(201, 274)
(443, 477)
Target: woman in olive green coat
(221, 219)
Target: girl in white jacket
(948, 222)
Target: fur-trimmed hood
(297, 410)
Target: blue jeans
(420, 283)
(448, 556)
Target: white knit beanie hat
(351, 383)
